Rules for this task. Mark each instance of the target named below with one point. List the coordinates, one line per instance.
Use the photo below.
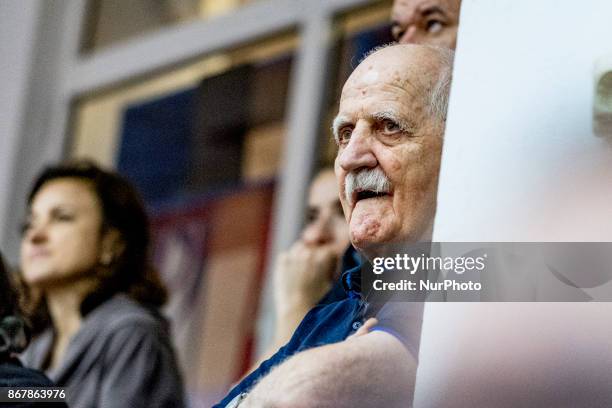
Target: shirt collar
(351, 275)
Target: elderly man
(389, 132)
(432, 22)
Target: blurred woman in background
(85, 250)
(14, 337)
(308, 273)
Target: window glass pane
(112, 21)
(99, 121)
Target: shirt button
(356, 325)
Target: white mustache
(367, 179)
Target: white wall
(521, 163)
(520, 155)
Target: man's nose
(358, 153)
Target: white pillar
(18, 36)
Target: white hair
(440, 92)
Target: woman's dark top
(121, 357)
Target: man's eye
(434, 26)
(344, 135)
(390, 126)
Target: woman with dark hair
(85, 251)
(14, 337)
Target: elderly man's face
(432, 22)
(384, 128)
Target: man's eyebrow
(429, 10)
(405, 125)
(338, 123)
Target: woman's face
(62, 236)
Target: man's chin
(369, 224)
(366, 235)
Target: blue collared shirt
(339, 314)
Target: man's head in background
(325, 222)
(389, 131)
(432, 22)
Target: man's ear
(112, 246)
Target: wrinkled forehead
(394, 82)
